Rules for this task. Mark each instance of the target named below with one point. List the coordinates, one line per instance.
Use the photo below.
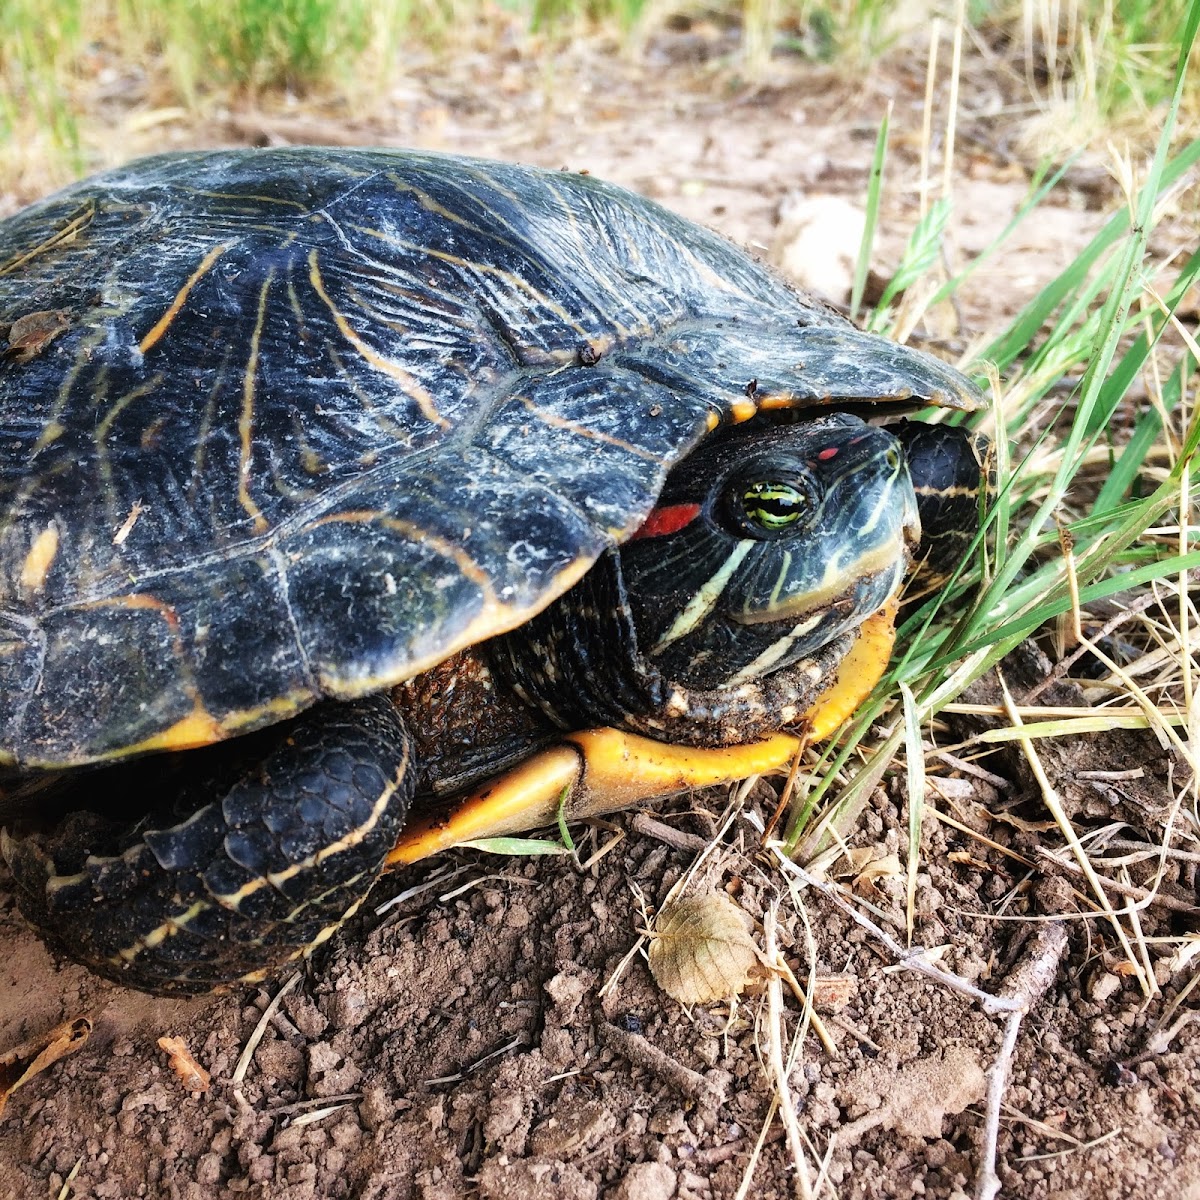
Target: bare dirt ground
(460, 1043)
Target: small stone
(501, 1180)
(301, 1172)
(505, 1113)
(280, 1060)
(306, 1016)
(572, 1129)
(647, 1181)
(566, 990)
(328, 1073)
(208, 1169)
(322, 1057)
(1102, 985)
(667, 1121)
(816, 243)
(262, 1169)
(557, 1048)
(376, 1107)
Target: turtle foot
(246, 883)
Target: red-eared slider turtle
(404, 472)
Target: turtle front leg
(250, 881)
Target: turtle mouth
(886, 562)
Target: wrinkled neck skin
(575, 666)
(579, 665)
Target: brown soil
(461, 1041)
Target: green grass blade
(862, 265)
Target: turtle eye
(770, 506)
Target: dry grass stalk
(247, 1055)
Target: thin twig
(1025, 985)
(779, 1072)
(785, 796)
(282, 1110)
(520, 1040)
(643, 1053)
(1053, 803)
(1064, 665)
(1150, 851)
(1047, 858)
(748, 1174)
(647, 826)
(319, 1114)
(969, 768)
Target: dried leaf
(867, 866)
(19, 1065)
(191, 1074)
(29, 335)
(702, 949)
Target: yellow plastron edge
(604, 770)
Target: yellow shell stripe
(103, 428)
(198, 728)
(595, 435)
(164, 322)
(415, 533)
(282, 201)
(246, 420)
(430, 205)
(410, 386)
(206, 421)
(494, 617)
(54, 428)
(395, 430)
(601, 279)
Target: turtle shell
(286, 424)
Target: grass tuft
(1097, 503)
(1096, 68)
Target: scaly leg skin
(253, 880)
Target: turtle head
(767, 544)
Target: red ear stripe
(670, 518)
